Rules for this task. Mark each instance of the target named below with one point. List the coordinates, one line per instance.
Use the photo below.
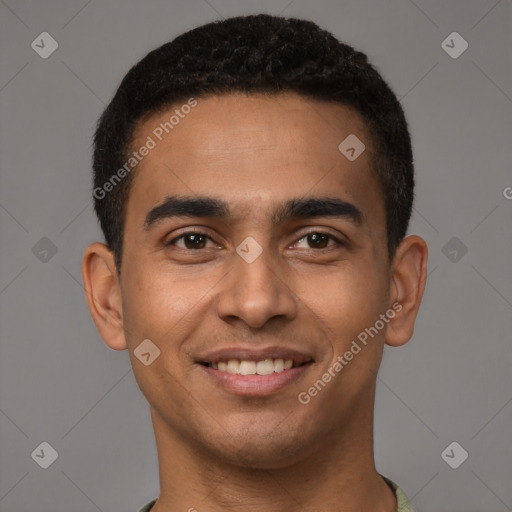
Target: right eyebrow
(185, 206)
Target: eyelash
(328, 235)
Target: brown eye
(191, 240)
(319, 240)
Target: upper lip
(253, 354)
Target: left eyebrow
(305, 208)
(297, 208)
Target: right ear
(103, 294)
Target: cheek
(162, 303)
(350, 300)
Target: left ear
(408, 277)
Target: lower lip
(255, 385)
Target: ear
(408, 277)
(103, 294)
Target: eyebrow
(297, 208)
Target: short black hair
(254, 54)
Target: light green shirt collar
(403, 503)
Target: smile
(249, 367)
(254, 371)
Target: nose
(257, 291)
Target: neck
(337, 474)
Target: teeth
(247, 368)
(279, 365)
(264, 367)
(233, 366)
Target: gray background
(61, 384)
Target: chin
(259, 448)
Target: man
(254, 182)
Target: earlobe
(103, 294)
(409, 273)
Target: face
(285, 258)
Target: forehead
(233, 123)
(253, 150)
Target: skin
(219, 451)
